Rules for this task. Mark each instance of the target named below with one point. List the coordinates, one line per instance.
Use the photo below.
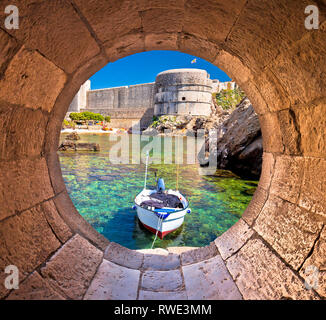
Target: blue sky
(143, 67)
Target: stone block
(4, 262)
(55, 28)
(290, 230)
(143, 5)
(272, 91)
(8, 48)
(113, 282)
(124, 46)
(307, 60)
(271, 133)
(198, 47)
(210, 280)
(313, 270)
(234, 67)
(233, 239)
(23, 184)
(162, 20)
(162, 280)
(156, 251)
(180, 250)
(153, 295)
(290, 131)
(14, 131)
(72, 268)
(198, 254)
(201, 17)
(258, 29)
(161, 262)
(267, 171)
(34, 288)
(58, 226)
(160, 41)
(261, 275)
(288, 174)
(55, 173)
(26, 242)
(110, 19)
(254, 95)
(313, 188)
(31, 72)
(123, 256)
(312, 123)
(255, 206)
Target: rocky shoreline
(237, 144)
(235, 137)
(70, 144)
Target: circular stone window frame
(283, 229)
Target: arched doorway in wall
(281, 232)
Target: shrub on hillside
(229, 99)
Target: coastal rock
(67, 146)
(184, 125)
(80, 146)
(236, 143)
(150, 131)
(73, 136)
(87, 146)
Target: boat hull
(153, 223)
(160, 234)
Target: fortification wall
(79, 101)
(125, 117)
(174, 92)
(129, 97)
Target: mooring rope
(157, 228)
(177, 163)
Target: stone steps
(190, 273)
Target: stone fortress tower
(174, 92)
(183, 92)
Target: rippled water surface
(104, 192)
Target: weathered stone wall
(126, 105)
(281, 66)
(131, 97)
(125, 117)
(217, 86)
(80, 99)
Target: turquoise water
(103, 193)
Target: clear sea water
(103, 193)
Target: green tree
(86, 115)
(229, 99)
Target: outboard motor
(160, 185)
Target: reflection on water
(104, 192)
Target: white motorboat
(161, 211)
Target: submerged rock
(237, 143)
(74, 146)
(73, 136)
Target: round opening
(103, 183)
